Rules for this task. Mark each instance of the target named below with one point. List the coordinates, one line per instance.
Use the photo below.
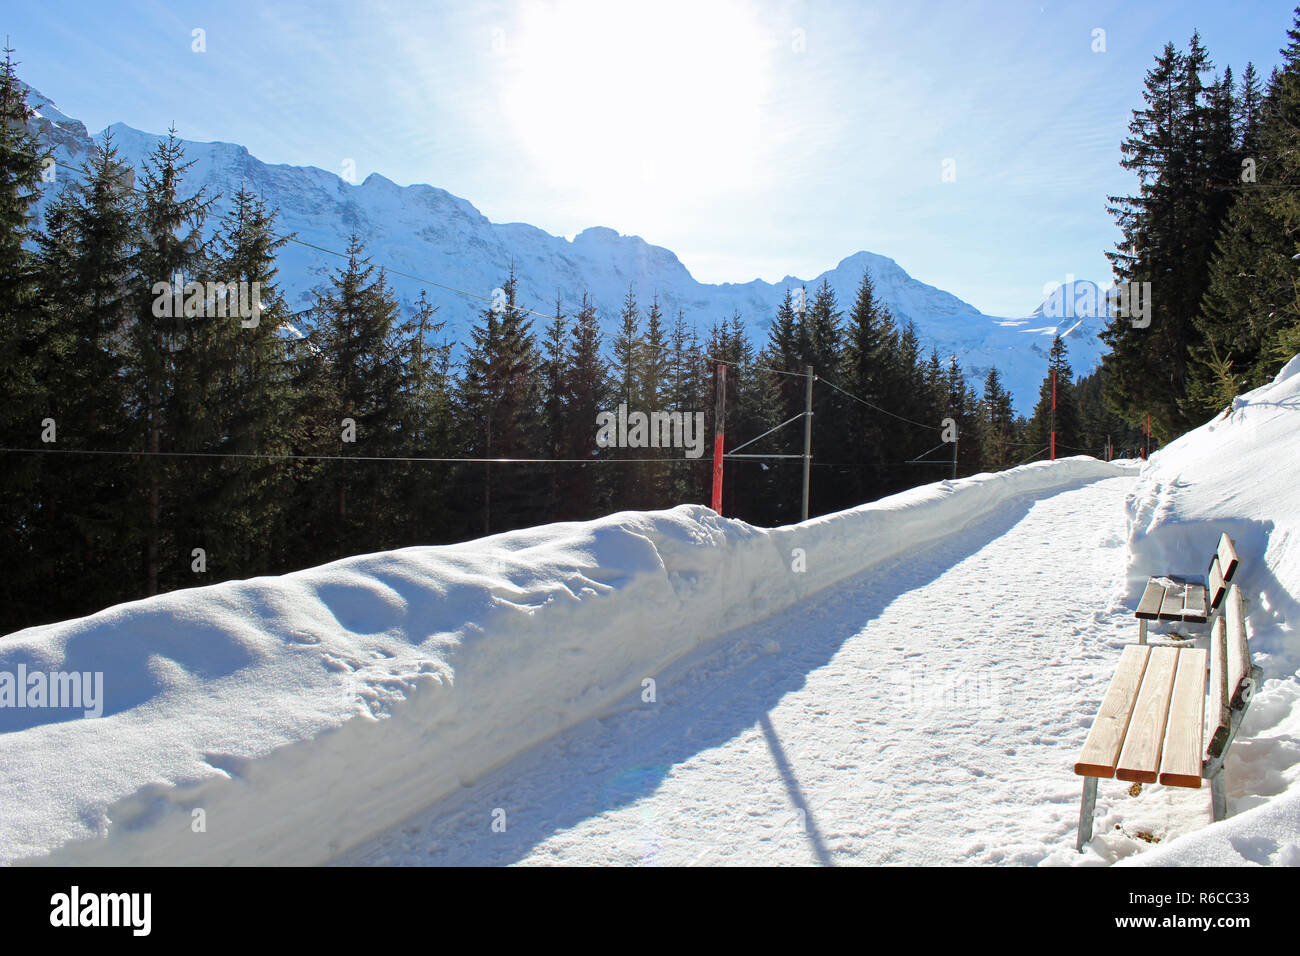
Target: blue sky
(753, 139)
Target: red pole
(1053, 414)
(719, 419)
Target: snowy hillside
(1238, 473)
(427, 232)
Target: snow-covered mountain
(427, 232)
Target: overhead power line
(271, 457)
(883, 411)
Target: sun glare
(637, 107)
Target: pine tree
(961, 408)
(1249, 104)
(244, 401)
(21, 164)
(683, 396)
(586, 491)
(784, 354)
(355, 325)
(749, 410)
(1099, 426)
(1182, 148)
(653, 395)
(89, 516)
(427, 368)
(821, 341)
(422, 490)
(628, 350)
(24, 339)
(1065, 418)
(869, 371)
(692, 377)
(554, 372)
(170, 255)
(1250, 316)
(502, 391)
(997, 425)
(629, 356)
(911, 398)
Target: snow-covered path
(926, 712)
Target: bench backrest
(1222, 567)
(1232, 677)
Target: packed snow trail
(925, 712)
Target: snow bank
(284, 719)
(1239, 473)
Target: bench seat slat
(1180, 759)
(1139, 761)
(1152, 597)
(1101, 750)
(1194, 605)
(1171, 608)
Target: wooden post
(1053, 414)
(719, 421)
(807, 438)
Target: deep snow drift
(1239, 473)
(303, 713)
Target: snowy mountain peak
(427, 232)
(597, 234)
(1073, 299)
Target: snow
(303, 714)
(904, 682)
(919, 713)
(1238, 473)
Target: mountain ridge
(426, 231)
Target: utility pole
(807, 437)
(1053, 414)
(719, 421)
(954, 457)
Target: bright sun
(640, 106)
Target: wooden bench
(1170, 599)
(1158, 722)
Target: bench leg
(1219, 796)
(1086, 806)
(1142, 630)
